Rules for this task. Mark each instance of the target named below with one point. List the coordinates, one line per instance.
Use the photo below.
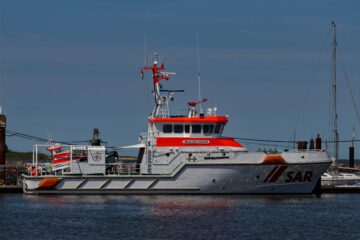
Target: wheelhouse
(189, 127)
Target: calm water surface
(179, 217)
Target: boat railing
(270, 151)
(122, 169)
(46, 169)
(40, 169)
(42, 157)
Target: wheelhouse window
(167, 128)
(187, 128)
(178, 128)
(211, 128)
(196, 128)
(218, 128)
(208, 128)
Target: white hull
(193, 178)
(339, 179)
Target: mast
(158, 74)
(335, 130)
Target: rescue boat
(182, 154)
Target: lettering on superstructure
(196, 142)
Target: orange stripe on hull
(273, 159)
(48, 183)
(197, 142)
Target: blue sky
(69, 66)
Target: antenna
(198, 65)
(50, 137)
(145, 50)
(145, 84)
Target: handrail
(111, 169)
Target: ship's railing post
(36, 160)
(71, 154)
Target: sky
(69, 66)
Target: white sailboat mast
(335, 130)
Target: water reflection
(187, 206)
(165, 205)
(177, 217)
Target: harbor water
(331, 216)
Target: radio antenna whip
(198, 65)
(145, 49)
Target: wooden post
(351, 157)
(2, 138)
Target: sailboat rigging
(334, 176)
